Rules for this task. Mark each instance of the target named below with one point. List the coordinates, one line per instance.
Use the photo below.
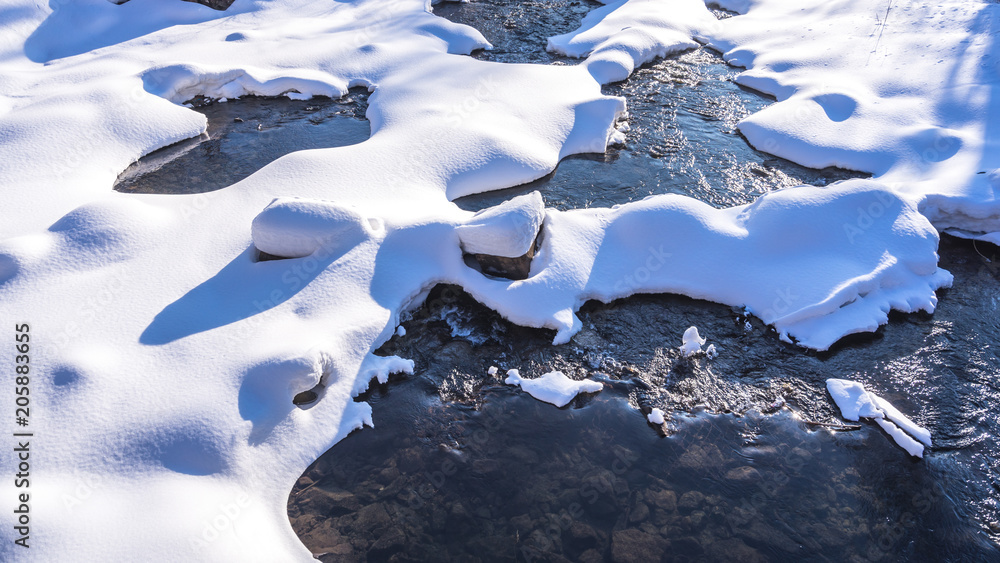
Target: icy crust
(909, 97)
(622, 35)
(855, 402)
(816, 263)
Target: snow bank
(553, 387)
(815, 263)
(854, 402)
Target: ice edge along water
(166, 357)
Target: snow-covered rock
(507, 230)
(294, 227)
(553, 387)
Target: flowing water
(753, 463)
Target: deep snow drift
(165, 356)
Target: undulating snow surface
(855, 402)
(165, 356)
(553, 387)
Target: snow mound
(553, 387)
(623, 35)
(294, 227)
(855, 402)
(691, 342)
(507, 230)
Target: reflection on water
(243, 136)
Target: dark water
(243, 136)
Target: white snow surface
(691, 342)
(855, 402)
(165, 357)
(656, 416)
(553, 387)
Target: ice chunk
(711, 352)
(294, 227)
(507, 230)
(492, 371)
(854, 402)
(655, 416)
(553, 387)
(692, 342)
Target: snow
(294, 228)
(691, 342)
(711, 352)
(855, 402)
(623, 35)
(165, 356)
(508, 229)
(493, 370)
(553, 387)
(656, 416)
